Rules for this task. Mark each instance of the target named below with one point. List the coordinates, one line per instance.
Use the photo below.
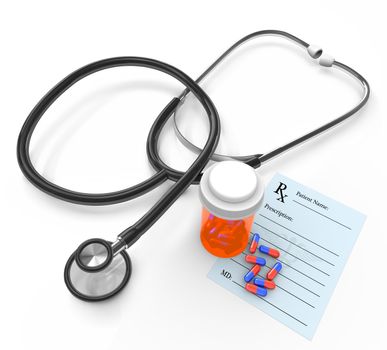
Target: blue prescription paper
(314, 234)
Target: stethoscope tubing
(163, 171)
(130, 235)
(256, 160)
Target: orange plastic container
(224, 238)
(231, 193)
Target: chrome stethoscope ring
(92, 273)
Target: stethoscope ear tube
(316, 53)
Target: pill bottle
(230, 192)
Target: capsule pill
(254, 243)
(260, 282)
(252, 273)
(252, 259)
(274, 271)
(274, 253)
(217, 227)
(252, 288)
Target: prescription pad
(314, 234)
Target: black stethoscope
(99, 269)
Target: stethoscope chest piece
(92, 273)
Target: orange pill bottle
(230, 192)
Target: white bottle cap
(231, 190)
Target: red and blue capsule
(252, 259)
(254, 243)
(274, 271)
(218, 225)
(252, 273)
(274, 253)
(260, 282)
(252, 288)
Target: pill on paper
(252, 273)
(254, 243)
(260, 282)
(252, 288)
(274, 253)
(252, 259)
(274, 271)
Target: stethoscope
(99, 269)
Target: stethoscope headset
(99, 269)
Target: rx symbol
(280, 190)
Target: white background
(93, 139)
